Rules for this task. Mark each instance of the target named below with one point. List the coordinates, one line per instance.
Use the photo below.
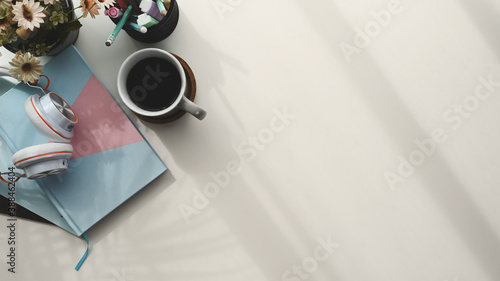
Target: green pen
(161, 7)
(119, 26)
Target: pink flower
(89, 7)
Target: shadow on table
(485, 16)
(265, 242)
(247, 218)
(448, 192)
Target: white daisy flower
(28, 14)
(25, 67)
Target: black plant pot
(157, 32)
(58, 38)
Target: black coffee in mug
(153, 84)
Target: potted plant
(32, 28)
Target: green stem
(67, 13)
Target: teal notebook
(111, 159)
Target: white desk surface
(322, 119)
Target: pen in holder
(151, 33)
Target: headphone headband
(55, 118)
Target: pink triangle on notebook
(94, 106)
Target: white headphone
(55, 118)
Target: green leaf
(71, 26)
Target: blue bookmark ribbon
(84, 255)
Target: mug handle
(191, 108)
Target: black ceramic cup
(158, 32)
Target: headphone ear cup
(52, 116)
(43, 160)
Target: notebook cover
(111, 159)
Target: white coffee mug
(181, 101)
